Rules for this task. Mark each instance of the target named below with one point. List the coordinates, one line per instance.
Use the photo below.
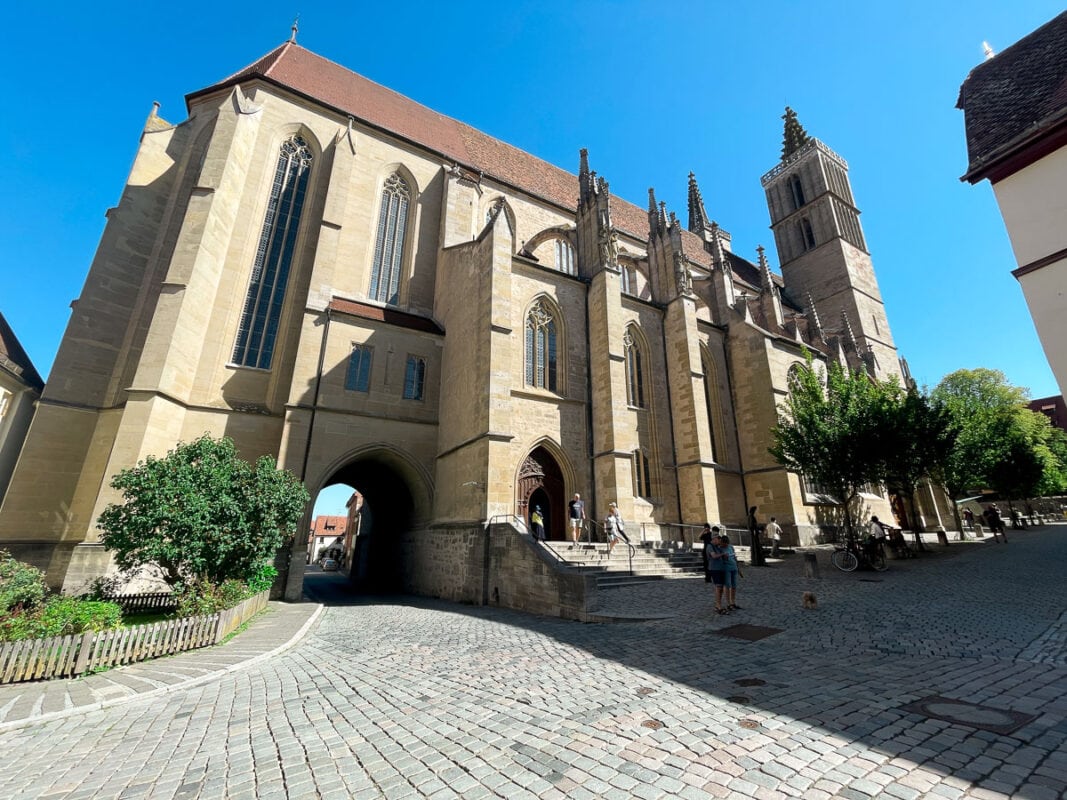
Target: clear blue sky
(652, 89)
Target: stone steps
(615, 570)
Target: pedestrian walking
(576, 510)
(756, 555)
(774, 533)
(614, 527)
(537, 522)
(995, 523)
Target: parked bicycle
(849, 555)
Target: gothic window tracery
(541, 348)
(389, 243)
(635, 378)
(274, 256)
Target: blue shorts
(718, 576)
(729, 578)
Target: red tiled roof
(328, 525)
(1015, 97)
(14, 359)
(295, 68)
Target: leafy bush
(206, 598)
(61, 616)
(22, 587)
(201, 514)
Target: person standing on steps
(576, 510)
(537, 522)
(774, 533)
(614, 527)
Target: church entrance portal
(541, 484)
(375, 562)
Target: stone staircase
(652, 561)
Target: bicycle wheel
(844, 560)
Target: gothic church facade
(379, 295)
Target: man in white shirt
(774, 532)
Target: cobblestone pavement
(402, 697)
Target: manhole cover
(750, 682)
(740, 699)
(654, 724)
(995, 720)
(749, 724)
(748, 633)
(645, 690)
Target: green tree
(981, 404)
(201, 514)
(922, 435)
(836, 436)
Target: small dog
(809, 601)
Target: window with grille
(541, 336)
(357, 378)
(274, 257)
(389, 243)
(414, 378)
(635, 378)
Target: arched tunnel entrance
(377, 524)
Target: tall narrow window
(642, 478)
(808, 233)
(541, 366)
(389, 245)
(357, 379)
(797, 190)
(635, 376)
(274, 257)
(629, 279)
(414, 378)
(565, 257)
(709, 402)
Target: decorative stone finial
(795, 136)
(698, 217)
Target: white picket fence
(76, 654)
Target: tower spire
(698, 217)
(794, 136)
(294, 28)
(585, 181)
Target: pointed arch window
(541, 348)
(711, 404)
(274, 256)
(389, 244)
(796, 188)
(565, 257)
(635, 370)
(807, 233)
(642, 475)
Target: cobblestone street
(406, 697)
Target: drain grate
(748, 633)
(958, 712)
(871, 580)
(750, 682)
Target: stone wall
(497, 567)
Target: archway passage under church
(375, 559)
(540, 485)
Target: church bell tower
(821, 248)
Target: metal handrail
(513, 519)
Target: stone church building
(381, 296)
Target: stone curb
(199, 679)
